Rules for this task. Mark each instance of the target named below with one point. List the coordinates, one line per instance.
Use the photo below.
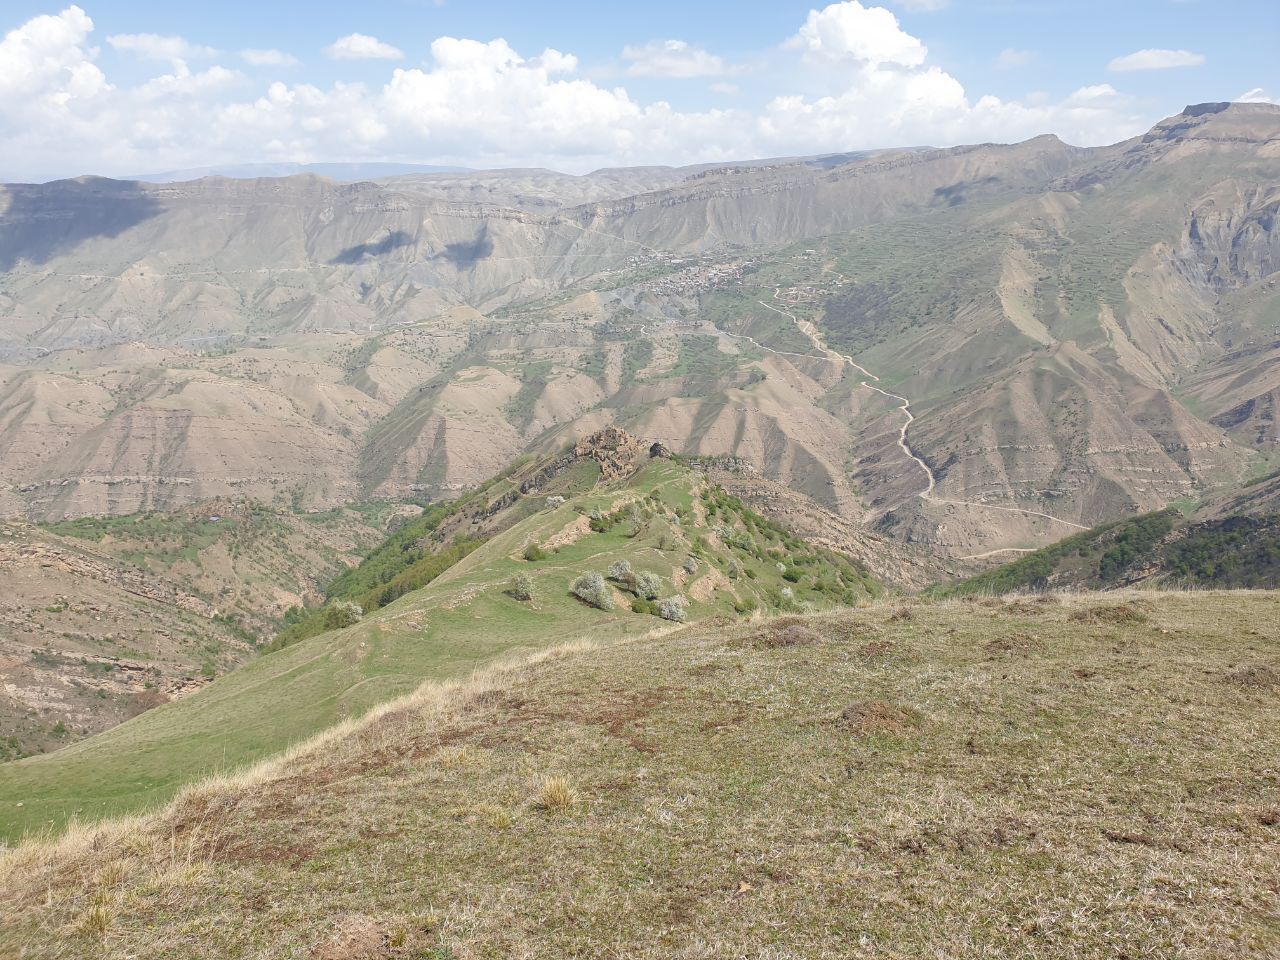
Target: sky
(139, 86)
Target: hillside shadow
(48, 220)
(392, 241)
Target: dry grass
(1106, 791)
(556, 794)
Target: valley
(705, 482)
(1061, 371)
(286, 461)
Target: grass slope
(1079, 776)
(1231, 552)
(461, 620)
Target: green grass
(967, 780)
(461, 620)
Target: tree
(521, 587)
(592, 590)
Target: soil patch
(354, 937)
(1116, 613)
(1014, 643)
(780, 633)
(1256, 675)
(864, 717)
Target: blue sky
(135, 85)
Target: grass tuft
(556, 795)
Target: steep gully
(927, 494)
(931, 482)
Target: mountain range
(1076, 334)
(421, 563)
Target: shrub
(341, 613)
(620, 570)
(533, 553)
(641, 605)
(791, 575)
(732, 569)
(592, 590)
(673, 608)
(746, 605)
(521, 587)
(648, 585)
(690, 564)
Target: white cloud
(1155, 60)
(359, 46)
(1256, 95)
(45, 62)
(485, 104)
(183, 83)
(152, 46)
(672, 58)
(849, 31)
(1095, 92)
(268, 58)
(922, 6)
(1011, 58)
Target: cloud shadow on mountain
(392, 241)
(47, 220)
(463, 255)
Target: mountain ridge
(1072, 327)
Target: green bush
(592, 590)
(341, 613)
(521, 587)
(648, 585)
(533, 553)
(673, 608)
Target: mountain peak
(1223, 122)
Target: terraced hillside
(1077, 776)
(601, 542)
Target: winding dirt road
(904, 405)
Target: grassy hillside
(703, 546)
(1236, 551)
(104, 618)
(1070, 777)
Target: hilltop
(1070, 776)
(495, 574)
